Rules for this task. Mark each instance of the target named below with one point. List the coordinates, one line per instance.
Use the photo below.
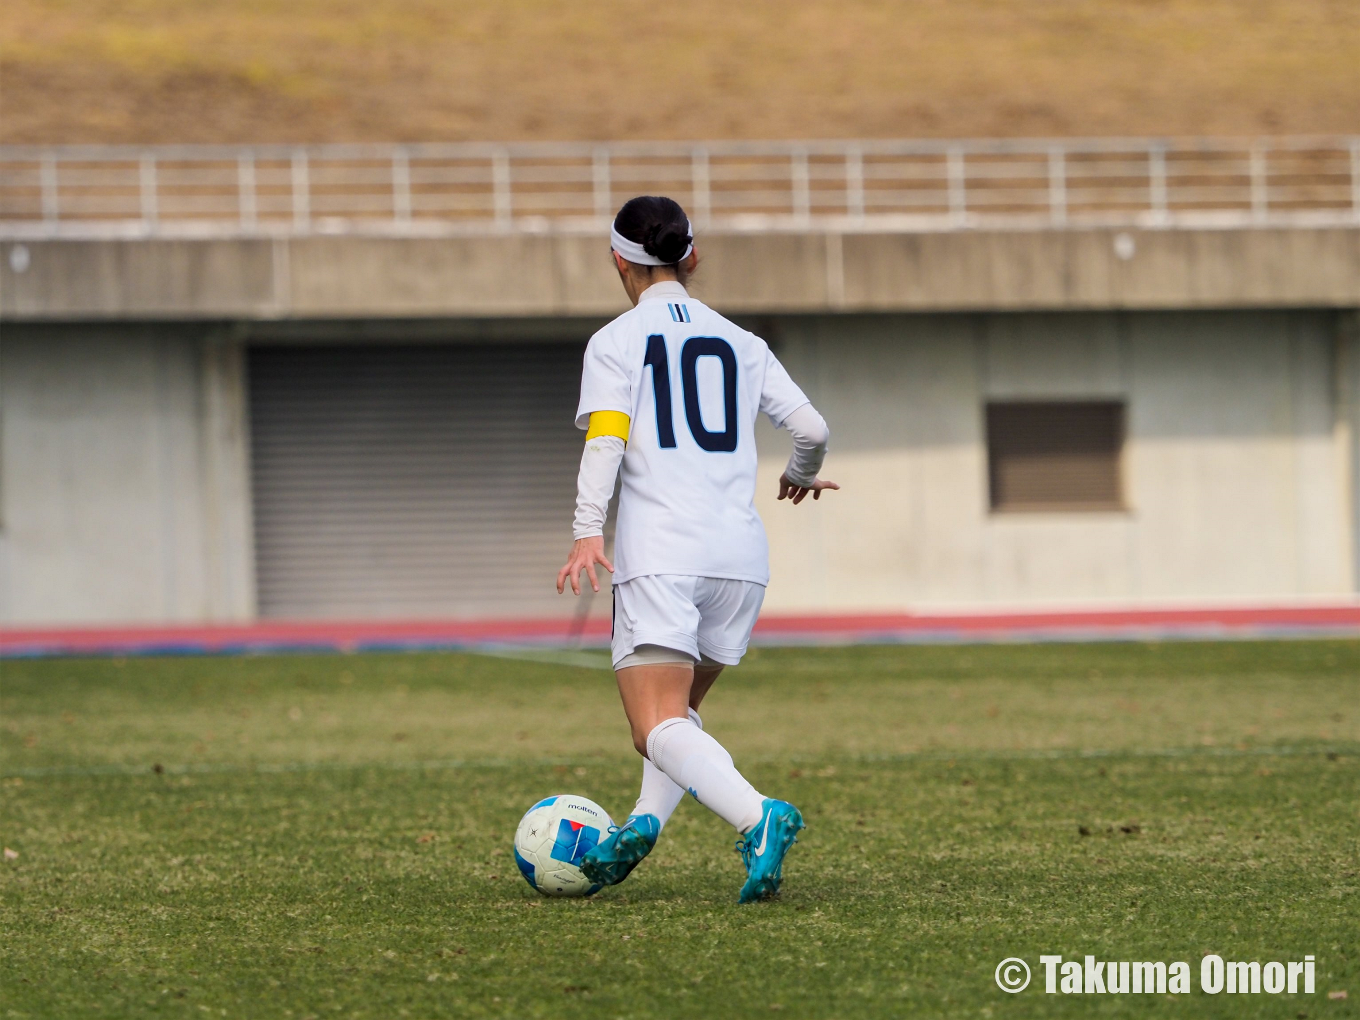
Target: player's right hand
(798, 493)
(585, 553)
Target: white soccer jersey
(692, 383)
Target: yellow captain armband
(608, 423)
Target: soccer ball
(552, 838)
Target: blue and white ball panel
(552, 838)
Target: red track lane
(1338, 620)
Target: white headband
(635, 252)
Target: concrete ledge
(120, 279)
(1149, 269)
(522, 274)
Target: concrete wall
(1347, 451)
(1238, 472)
(554, 274)
(125, 484)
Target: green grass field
(320, 836)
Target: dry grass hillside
(321, 70)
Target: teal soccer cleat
(763, 849)
(611, 860)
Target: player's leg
(685, 753)
(616, 856)
(667, 610)
(652, 690)
(696, 761)
(656, 698)
(706, 672)
(728, 611)
(661, 610)
(653, 693)
(642, 604)
(659, 796)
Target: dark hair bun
(656, 223)
(668, 242)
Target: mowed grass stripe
(266, 768)
(842, 702)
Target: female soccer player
(670, 390)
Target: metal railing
(911, 185)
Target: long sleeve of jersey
(600, 462)
(810, 439)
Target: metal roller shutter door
(413, 481)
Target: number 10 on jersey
(694, 348)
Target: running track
(1235, 622)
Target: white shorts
(704, 617)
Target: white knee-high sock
(698, 763)
(660, 796)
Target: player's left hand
(585, 553)
(797, 493)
